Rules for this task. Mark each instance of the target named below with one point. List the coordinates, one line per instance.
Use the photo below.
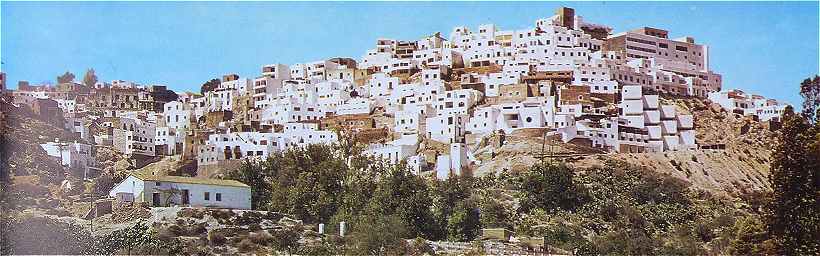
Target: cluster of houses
(572, 78)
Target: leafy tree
(446, 195)
(67, 77)
(794, 212)
(90, 79)
(210, 85)
(494, 214)
(316, 187)
(255, 175)
(406, 196)
(464, 224)
(810, 91)
(550, 187)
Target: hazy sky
(761, 47)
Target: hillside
(741, 167)
(612, 189)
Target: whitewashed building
(164, 191)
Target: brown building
(352, 122)
(555, 76)
(515, 93)
(48, 111)
(572, 94)
(154, 97)
(566, 16)
(350, 63)
(114, 98)
(213, 118)
(2, 82)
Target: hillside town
(573, 78)
(479, 103)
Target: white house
(163, 191)
(135, 136)
(741, 102)
(74, 155)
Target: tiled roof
(188, 180)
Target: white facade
(162, 191)
(74, 155)
(135, 136)
(738, 101)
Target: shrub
(246, 245)
(196, 230)
(551, 187)
(260, 238)
(216, 237)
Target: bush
(216, 237)
(551, 187)
(223, 216)
(246, 245)
(286, 239)
(260, 238)
(196, 230)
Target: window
(218, 196)
(207, 196)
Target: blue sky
(761, 47)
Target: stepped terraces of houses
(572, 78)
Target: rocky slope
(741, 167)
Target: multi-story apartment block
(134, 136)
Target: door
(156, 199)
(185, 197)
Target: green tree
(550, 187)
(494, 214)
(67, 77)
(464, 223)
(406, 196)
(375, 234)
(446, 195)
(810, 91)
(210, 85)
(90, 79)
(793, 215)
(254, 174)
(749, 233)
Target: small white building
(75, 155)
(740, 102)
(163, 191)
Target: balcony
(652, 117)
(687, 137)
(669, 127)
(668, 112)
(671, 142)
(685, 122)
(632, 107)
(650, 102)
(655, 132)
